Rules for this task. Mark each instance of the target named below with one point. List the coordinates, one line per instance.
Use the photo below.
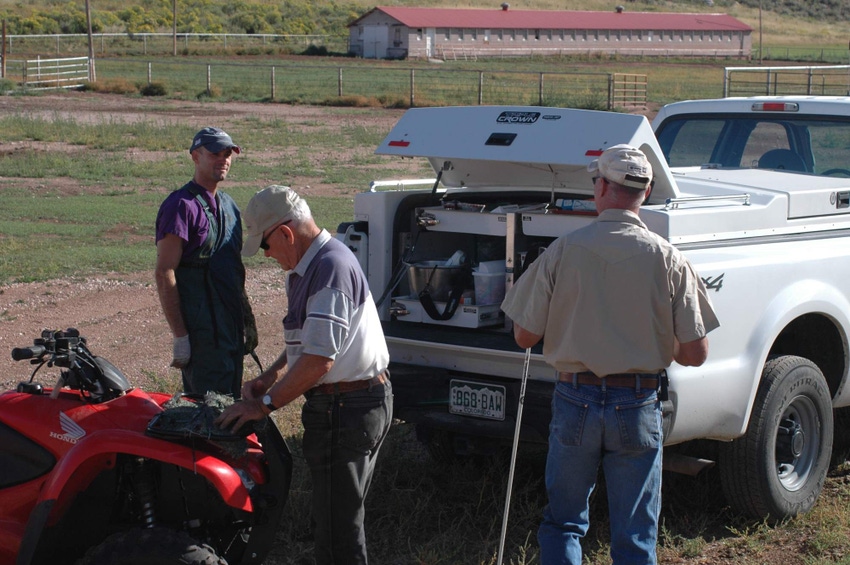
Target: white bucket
(489, 288)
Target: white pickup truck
(754, 191)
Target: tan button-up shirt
(610, 297)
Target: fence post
(339, 82)
(540, 90)
(209, 80)
(610, 91)
(150, 72)
(273, 85)
(480, 87)
(412, 88)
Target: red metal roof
(556, 19)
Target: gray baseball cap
(215, 140)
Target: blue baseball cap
(215, 140)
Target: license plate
(475, 399)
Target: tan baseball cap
(271, 205)
(624, 165)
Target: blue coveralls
(211, 283)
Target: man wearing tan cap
(616, 304)
(200, 278)
(336, 356)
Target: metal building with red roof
(398, 32)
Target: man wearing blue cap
(200, 277)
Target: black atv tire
(151, 546)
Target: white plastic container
(489, 288)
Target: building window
(443, 32)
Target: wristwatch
(267, 400)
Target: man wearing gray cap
(335, 355)
(615, 304)
(199, 273)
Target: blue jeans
(342, 436)
(620, 428)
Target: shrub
(316, 50)
(7, 85)
(111, 86)
(213, 92)
(153, 89)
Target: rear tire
(151, 546)
(777, 469)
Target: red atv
(89, 473)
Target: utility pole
(174, 27)
(761, 42)
(92, 73)
(3, 52)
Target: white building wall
(379, 36)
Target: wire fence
(358, 84)
(829, 80)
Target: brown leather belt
(348, 386)
(616, 379)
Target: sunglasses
(264, 245)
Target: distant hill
(330, 17)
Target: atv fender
(97, 452)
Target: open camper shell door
(522, 147)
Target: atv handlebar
(58, 344)
(96, 377)
(21, 353)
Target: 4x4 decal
(715, 283)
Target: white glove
(182, 352)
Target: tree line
(296, 17)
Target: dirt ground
(120, 314)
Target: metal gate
(43, 74)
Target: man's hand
(181, 352)
(255, 388)
(236, 415)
